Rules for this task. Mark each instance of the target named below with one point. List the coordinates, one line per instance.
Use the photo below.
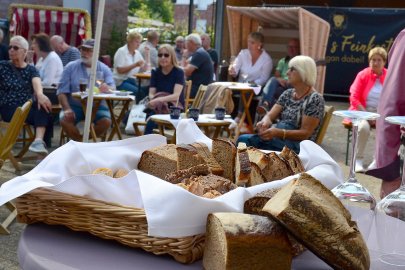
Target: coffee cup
(219, 113)
(194, 113)
(175, 112)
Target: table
(110, 99)
(142, 76)
(246, 94)
(207, 122)
(49, 247)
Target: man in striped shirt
(66, 52)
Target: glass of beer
(83, 84)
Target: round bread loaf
(120, 173)
(105, 171)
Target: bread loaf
(256, 176)
(279, 168)
(240, 241)
(211, 182)
(104, 171)
(159, 161)
(224, 152)
(120, 173)
(258, 157)
(180, 175)
(293, 160)
(242, 167)
(187, 157)
(255, 204)
(310, 212)
(204, 152)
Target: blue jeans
(272, 90)
(275, 144)
(129, 85)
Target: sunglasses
(15, 48)
(160, 55)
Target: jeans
(275, 144)
(129, 85)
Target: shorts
(102, 112)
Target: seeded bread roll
(105, 171)
(224, 151)
(240, 241)
(310, 212)
(293, 160)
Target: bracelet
(284, 131)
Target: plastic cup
(175, 112)
(220, 113)
(194, 113)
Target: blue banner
(353, 32)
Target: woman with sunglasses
(166, 84)
(20, 82)
(299, 111)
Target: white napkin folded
(171, 210)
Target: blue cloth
(16, 84)
(275, 144)
(204, 73)
(71, 54)
(166, 83)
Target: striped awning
(72, 24)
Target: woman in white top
(49, 64)
(364, 95)
(254, 62)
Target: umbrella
(99, 26)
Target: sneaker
(359, 166)
(38, 146)
(372, 165)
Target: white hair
(57, 38)
(20, 40)
(306, 67)
(195, 38)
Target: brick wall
(115, 13)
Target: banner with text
(353, 32)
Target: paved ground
(334, 143)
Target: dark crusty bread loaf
(309, 211)
(279, 168)
(204, 152)
(240, 241)
(180, 175)
(242, 167)
(293, 160)
(255, 204)
(187, 157)
(159, 161)
(224, 152)
(211, 182)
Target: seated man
(277, 84)
(72, 111)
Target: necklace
(303, 95)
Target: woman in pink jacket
(364, 95)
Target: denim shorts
(102, 112)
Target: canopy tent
(278, 25)
(72, 24)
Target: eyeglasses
(15, 48)
(160, 55)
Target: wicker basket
(126, 225)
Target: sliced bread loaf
(204, 152)
(159, 161)
(293, 160)
(242, 166)
(256, 176)
(240, 241)
(187, 157)
(279, 168)
(224, 152)
(309, 211)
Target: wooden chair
(7, 141)
(187, 90)
(327, 116)
(199, 96)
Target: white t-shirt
(50, 69)
(124, 58)
(374, 94)
(259, 72)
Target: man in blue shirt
(199, 68)
(72, 111)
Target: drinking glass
(351, 192)
(393, 205)
(244, 77)
(99, 77)
(83, 85)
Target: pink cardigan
(362, 85)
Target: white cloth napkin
(171, 210)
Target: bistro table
(48, 247)
(142, 76)
(212, 127)
(110, 99)
(246, 92)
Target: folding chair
(7, 141)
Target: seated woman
(299, 110)
(20, 82)
(49, 64)
(364, 95)
(253, 64)
(166, 85)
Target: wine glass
(351, 192)
(244, 77)
(99, 78)
(393, 205)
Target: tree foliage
(152, 9)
